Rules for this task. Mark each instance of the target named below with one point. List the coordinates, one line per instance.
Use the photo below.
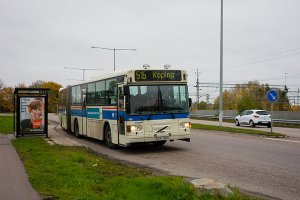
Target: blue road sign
(272, 96)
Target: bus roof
(120, 73)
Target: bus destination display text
(158, 75)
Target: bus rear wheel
(108, 139)
(76, 129)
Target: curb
(211, 185)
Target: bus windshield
(157, 99)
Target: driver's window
(137, 97)
(133, 90)
(121, 98)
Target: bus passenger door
(83, 112)
(121, 115)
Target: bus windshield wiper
(162, 129)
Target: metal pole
(197, 85)
(15, 113)
(272, 117)
(221, 69)
(114, 49)
(83, 70)
(285, 78)
(298, 96)
(114, 59)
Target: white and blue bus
(134, 106)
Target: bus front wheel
(108, 139)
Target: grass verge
(6, 124)
(236, 130)
(58, 172)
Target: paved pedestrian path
(14, 183)
(60, 138)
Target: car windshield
(262, 113)
(158, 99)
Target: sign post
(272, 96)
(31, 111)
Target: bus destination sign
(157, 75)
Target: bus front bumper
(183, 137)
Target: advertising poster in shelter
(32, 115)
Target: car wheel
(237, 123)
(269, 126)
(108, 140)
(252, 123)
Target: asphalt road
(256, 164)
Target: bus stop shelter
(31, 111)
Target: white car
(253, 118)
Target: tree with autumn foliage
(6, 99)
(295, 108)
(202, 106)
(52, 95)
(252, 96)
(1, 84)
(7, 94)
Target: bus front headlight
(133, 128)
(185, 125)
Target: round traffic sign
(272, 95)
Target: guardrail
(285, 121)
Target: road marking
(282, 140)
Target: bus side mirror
(190, 102)
(126, 90)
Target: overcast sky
(40, 37)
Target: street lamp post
(114, 49)
(82, 69)
(221, 69)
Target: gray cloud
(40, 38)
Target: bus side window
(91, 94)
(100, 92)
(76, 95)
(111, 87)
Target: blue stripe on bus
(78, 113)
(93, 113)
(112, 115)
